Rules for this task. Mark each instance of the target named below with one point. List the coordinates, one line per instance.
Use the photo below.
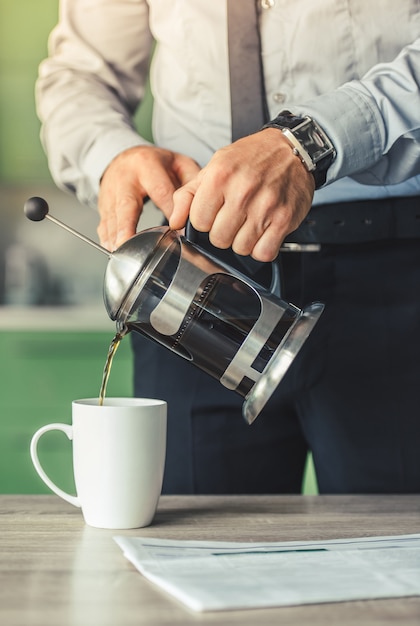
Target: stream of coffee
(108, 363)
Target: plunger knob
(36, 209)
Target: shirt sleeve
(374, 123)
(89, 88)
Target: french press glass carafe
(164, 286)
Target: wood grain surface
(56, 571)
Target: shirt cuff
(351, 120)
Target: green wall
(24, 29)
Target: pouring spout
(36, 209)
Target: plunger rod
(79, 235)
(36, 209)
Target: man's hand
(132, 176)
(249, 196)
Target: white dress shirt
(353, 65)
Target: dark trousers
(351, 396)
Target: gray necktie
(245, 68)
(247, 106)
(247, 91)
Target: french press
(171, 290)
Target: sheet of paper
(210, 576)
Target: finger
(226, 227)
(187, 171)
(246, 238)
(159, 185)
(268, 245)
(206, 203)
(102, 231)
(128, 211)
(161, 181)
(104, 228)
(119, 213)
(265, 221)
(182, 200)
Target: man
(353, 69)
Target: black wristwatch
(308, 141)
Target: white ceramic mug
(118, 459)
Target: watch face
(308, 141)
(312, 141)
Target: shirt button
(279, 97)
(268, 4)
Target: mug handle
(68, 430)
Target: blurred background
(54, 331)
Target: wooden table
(56, 571)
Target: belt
(341, 223)
(359, 221)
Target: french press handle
(245, 264)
